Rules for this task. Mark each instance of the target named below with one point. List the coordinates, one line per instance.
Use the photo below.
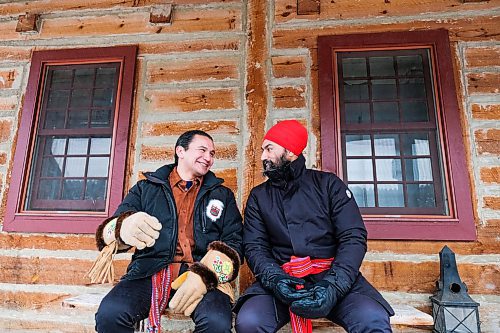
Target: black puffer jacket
(154, 197)
(312, 214)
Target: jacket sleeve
(257, 245)
(351, 236)
(233, 226)
(131, 204)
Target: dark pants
(356, 313)
(129, 302)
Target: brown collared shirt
(185, 193)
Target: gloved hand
(285, 288)
(319, 304)
(139, 229)
(219, 265)
(190, 290)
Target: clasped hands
(314, 301)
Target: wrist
(118, 227)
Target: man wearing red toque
(304, 240)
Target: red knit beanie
(289, 134)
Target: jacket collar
(297, 168)
(161, 175)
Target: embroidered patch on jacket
(348, 193)
(214, 209)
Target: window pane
(52, 166)
(358, 145)
(415, 144)
(390, 195)
(49, 189)
(421, 195)
(75, 167)
(105, 77)
(98, 167)
(414, 111)
(357, 113)
(96, 189)
(100, 145)
(412, 88)
(84, 77)
(61, 78)
(72, 189)
(55, 146)
(363, 194)
(354, 67)
(103, 97)
(54, 119)
(381, 66)
(58, 99)
(355, 90)
(410, 65)
(81, 98)
(359, 169)
(386, 112)
(384, 89)
(78, 119)
(418, 169)
(77, 146)
(386, 145)
(388, 169)
(101, 118)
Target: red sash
(301, 267)
(159, 298)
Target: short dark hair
(185, 139)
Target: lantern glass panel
(455, 316)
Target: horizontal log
(191, 100)
(206, 69)
(482, 56)
(288, 66)
(486, 112)
(177, 128)
(483, 83)
(289, 97)
(286, 10)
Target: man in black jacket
(186, 228)
(304, 239)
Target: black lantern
(452, 308)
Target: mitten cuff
(119, 222)
(208, 277)
(231, 253)
(99, 237)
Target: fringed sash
(160, 294)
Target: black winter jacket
(154, 196)
(312, 214)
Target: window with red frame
(391, 131)
(70, 174)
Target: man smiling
(186, 228)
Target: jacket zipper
(169, 196)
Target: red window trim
(70, 222)
(459, 225)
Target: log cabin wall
(234, 68)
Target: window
(390, 129)
(70, 156)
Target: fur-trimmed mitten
(218, 267)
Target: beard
(278, 170)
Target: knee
(374, 320)
(214, 323)
(247, 322)
(109, 317)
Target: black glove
(285, 288)
(317, 305)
